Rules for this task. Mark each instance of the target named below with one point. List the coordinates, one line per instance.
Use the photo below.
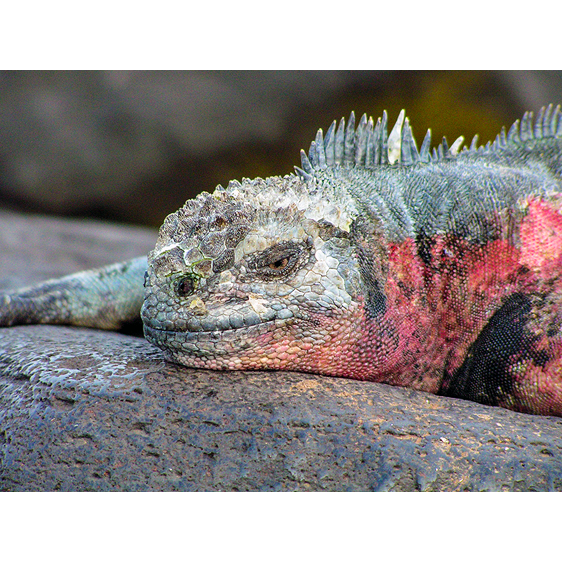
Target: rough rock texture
(89, 410)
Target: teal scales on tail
(438, 270)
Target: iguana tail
(106, 298)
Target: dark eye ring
(185, 286)
(279, 260)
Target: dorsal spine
(370, 145)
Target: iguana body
(438, 271)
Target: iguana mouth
(235, 320)
(194, 334)
(208, 344)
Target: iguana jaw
(233, 328)
(318, 344)
(216, 349)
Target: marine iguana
(438, 270)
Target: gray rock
(95, 142)
(86, 410)
(90, 410)
(35, 247)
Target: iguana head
(262, 274)
(288, 272)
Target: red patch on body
(436, 310)
(541, 238)
(436, 307)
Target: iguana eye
(279, 260)
(282, 265)
(279, 264)
(186, 285)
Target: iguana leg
(516, 361)
(107, 298)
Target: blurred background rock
(132, 146)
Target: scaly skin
(376, 262)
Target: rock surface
(35, 247)
(89, 410)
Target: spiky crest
(370, 145)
